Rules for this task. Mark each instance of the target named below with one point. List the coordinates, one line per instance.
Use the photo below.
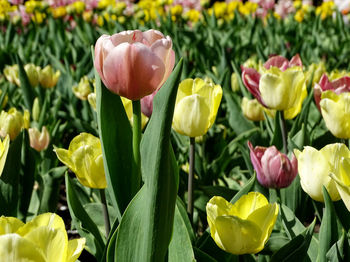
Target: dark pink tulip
(273, 168)
(134, 64)
(338, 86)
(147, 104)
(251, 77)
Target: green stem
(136, 138)
(190, 180)
(284, 132)
(105, 211)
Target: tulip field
(174, 130)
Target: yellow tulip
(42, 239)
(283, 90)
(4, 148)
(243, 227)
(84, 158)
(11, 74)
(335, 110)
(196, 106)
(315, 166)
(317, 70)
(11, 123)
(48, 78)
(83, 89)
(254, 111)
(32, 72)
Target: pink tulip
(39, 140)
(273, 168)
(147, 104)
(134, 64)
(251, 77)
(338, 86)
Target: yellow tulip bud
(84, 158)
(39, 140)
(196, 106)
(83, 89)
(243, 227)
(234, 82)
(36, 110)
(48, 78)
(283, 90)
(128, 109)
(11, 123)
(315, 166)
(4, 148)
(11, 74)
(335, 110)
(42, 239)
(92, 100)
(32, 73)
(26, 119)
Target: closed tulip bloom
(83, 89)
(254, 111)
(196, 106)
(315, 166)
(11, 123)
(4, 148)
(273, 168)
(39, 140)
(338, 86)
(32, 72)
(40, 240)
(84, 158)
(243, 227)
(335, 111)
(134, 64)
(280, 85)
(11, 74)
(48, 78)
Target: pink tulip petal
(251, 79)
(133, 70)
(317, 95)
(255, 157)
(296, 61)
(342, 83)
(99, 53)
(152, 36)
(277, 61)
(147, 104)
(130, 36)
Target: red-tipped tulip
(338, 86)
(134, 64)
(273, 168)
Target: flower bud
(234, 82)
(11, 74)
(273, 168)
(36, 110)
(39, 141)
(48, 78)
(32, 72)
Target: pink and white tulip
(39, 140)
(273, 168)
(134, 64)
(338, 86)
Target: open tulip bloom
(280, 85)
(243, 227)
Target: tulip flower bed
(174, 130)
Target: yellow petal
(14, 248)
(75, 247)
(191, 116)
(53, 242)
(9, 225)
(4, 148)
(336, 113)
(49, 220)
(65, 157)
(217, 206)
(237, 236)
(295, 110)
(342, 181)
(247, 204)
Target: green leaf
(245, 190)
(296, 249)
(202, 256)
(151, 212)
(328, 229)
(340, 250)
(83, 222)
(180, 248)
(116, 140)
(27, 90)
(9, 179)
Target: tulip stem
(105, 211)
(284, 132)
(190, 180)
(136, 138)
